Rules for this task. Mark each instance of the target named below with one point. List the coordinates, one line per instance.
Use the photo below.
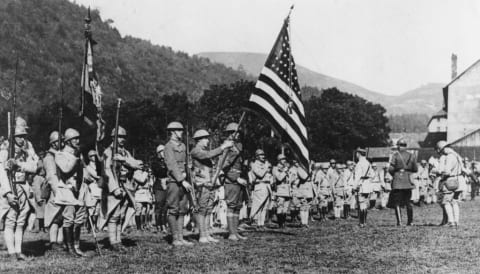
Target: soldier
(143, 198)
(205, 187)
(349, 187)
(324, 190)
(262, 192)
(38, 201)
(15, 208)
(94, 192)
(377, 183)
(331, 177)
(305, 194)
(283, 189)
(178, 186)
(234, 182)
(425, 183)
(402, 165)
(362, 176)
(450, 185)
(338, 191)
(159, 169)
(117, 200)
(53, 212)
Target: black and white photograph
(239, 136)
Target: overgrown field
(331, 247)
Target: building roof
(432, 139)
(441, 114)
(464, 137)
(445, 89)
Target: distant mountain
(426, 99)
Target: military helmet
(70, 134)
(160, 148)
(92, 153)
(350, 163)
(325, 165)
(19, 130)
(401, 142)
(232, 127)
(53, 137)
(423, 161)
(317, 165)
(201, 133)
(281, 157)
(441, 145)
(332, 161)
(259, 152)
(174, 126)
(121, 132)
(20, 122)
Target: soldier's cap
(160, 148)
(374, 164)
(53, 137)
(332, 161)
(317, 165)
(20, 122)
(92, 153)
(231, 127)
(281, 157)
(70, 134)
(401, 142)
(441, 145)
(259, 152)
(341, 166)
(121, 132)
(423, 161)
(361, 151)
(20, 131)
(350, 163)
(325, 165)
(175, 126)
(201, 133)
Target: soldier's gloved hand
(187, 186)
(10, 164)
(118, 193)
(119, 158)
(12, 199)
(227, 144)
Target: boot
(280, 220)
(236, 221)
(207, 229)
(398, 215)
(365, 214)
(409, 216)
(360, 217)
(68, 239)
(138, 222)
(180, 222)
(76, 242)
(172, 222)
(201, 227)
(372, 204)
(231, 230)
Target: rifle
(115, 165)
(11, 133)
(223, 158)
(191, 194)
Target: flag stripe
(290, 119)
(284, 87)
(297, 147)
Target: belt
(20, 183)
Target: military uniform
(283, 192)
(143, 197)
(93, 193)
(159, 170)
(324, 191)
(262, 191)
(339, 189)
(349, 180)
(304, 194)
(362, 176)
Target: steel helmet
(402, 143)
(201, 133)
(175, 126)
(92, 153)
(160, 148)
(332, 161)
(53, 137)
(121, 131)
(441, 145)
(259, 152)
(281, 157)
(20, 122)
(70, 134)
(19, 130)
(232, 127)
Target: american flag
(277, 97)
(91, 105)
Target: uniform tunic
(450, 167)
(324, 188)
(175, 159)
(362, 176)
(262, 191)
(283, 189)
(402, 165)
(232, 169)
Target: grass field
(331, 247)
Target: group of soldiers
(67, 192)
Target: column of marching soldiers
(60, 192)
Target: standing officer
(14, 209)
(324, 190)
(362, 175)
(203, 171)
(283, 189)
(349, 188)
(178, 186)
(402, 165)
(332, 175)
(159, 169)
(117, 199)
(94, 192)
(338, 189)
(262, 192)
(424, 182)
(234, 181)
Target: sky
(383, 45)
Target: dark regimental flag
(277, 97)
(91, 105)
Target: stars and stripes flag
(91, 105)
(277, 97)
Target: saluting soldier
(402, 165)
(53, 212)
(178, 186)
(14, 209)
(203, 172)
(235, 181)
(363, 175)
(117, 199)
(283, 189)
